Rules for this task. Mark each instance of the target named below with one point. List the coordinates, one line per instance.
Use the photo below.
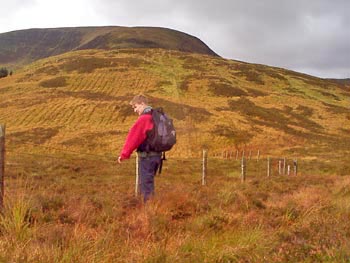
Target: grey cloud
(8, 11)
(8, 8)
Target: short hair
(139, 99)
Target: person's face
(138, 108)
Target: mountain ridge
(25, 46)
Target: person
(149, 161)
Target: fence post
(137, 176)
(243, 169)
(2, 165)
(268, 167)
(284, 165)
(295, 162)
(258, 156)
(279, 167)
(204, 166)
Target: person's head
(139, 103)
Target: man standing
(149, 160)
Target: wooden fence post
(243, 169)
(204, 166)
(2, 165)
(279, 167)
(258, 156)
(295, 162)
(137, 176)
(284, 165)
(268, 167)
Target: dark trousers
(148, 167)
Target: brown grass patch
(35, 135)
(56, 82)
(49, 70)
(181, 111)
(225, 90)
(89, 64)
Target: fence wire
(42, 165)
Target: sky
(308, 36)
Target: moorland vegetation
(66, 200)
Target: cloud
(8, 12)
(46, 14)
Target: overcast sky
(309, 36)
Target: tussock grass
(15, 221)
(82, 215)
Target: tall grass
(277, 220)
(16, 230)
(15, 221)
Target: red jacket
(136, 135)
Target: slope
(25, 46)
(79, 100)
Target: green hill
(25, 46)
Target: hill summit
(25, 46)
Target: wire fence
(49, 159)
(40, 166)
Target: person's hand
(119, 159)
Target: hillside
(66, 199)
(25, 46)
(69, 99)
(345, 82)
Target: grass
(90, 90)
(54, 82)
(81, 210)
(15, 222)
(68, 201)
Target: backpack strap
(161, 163)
